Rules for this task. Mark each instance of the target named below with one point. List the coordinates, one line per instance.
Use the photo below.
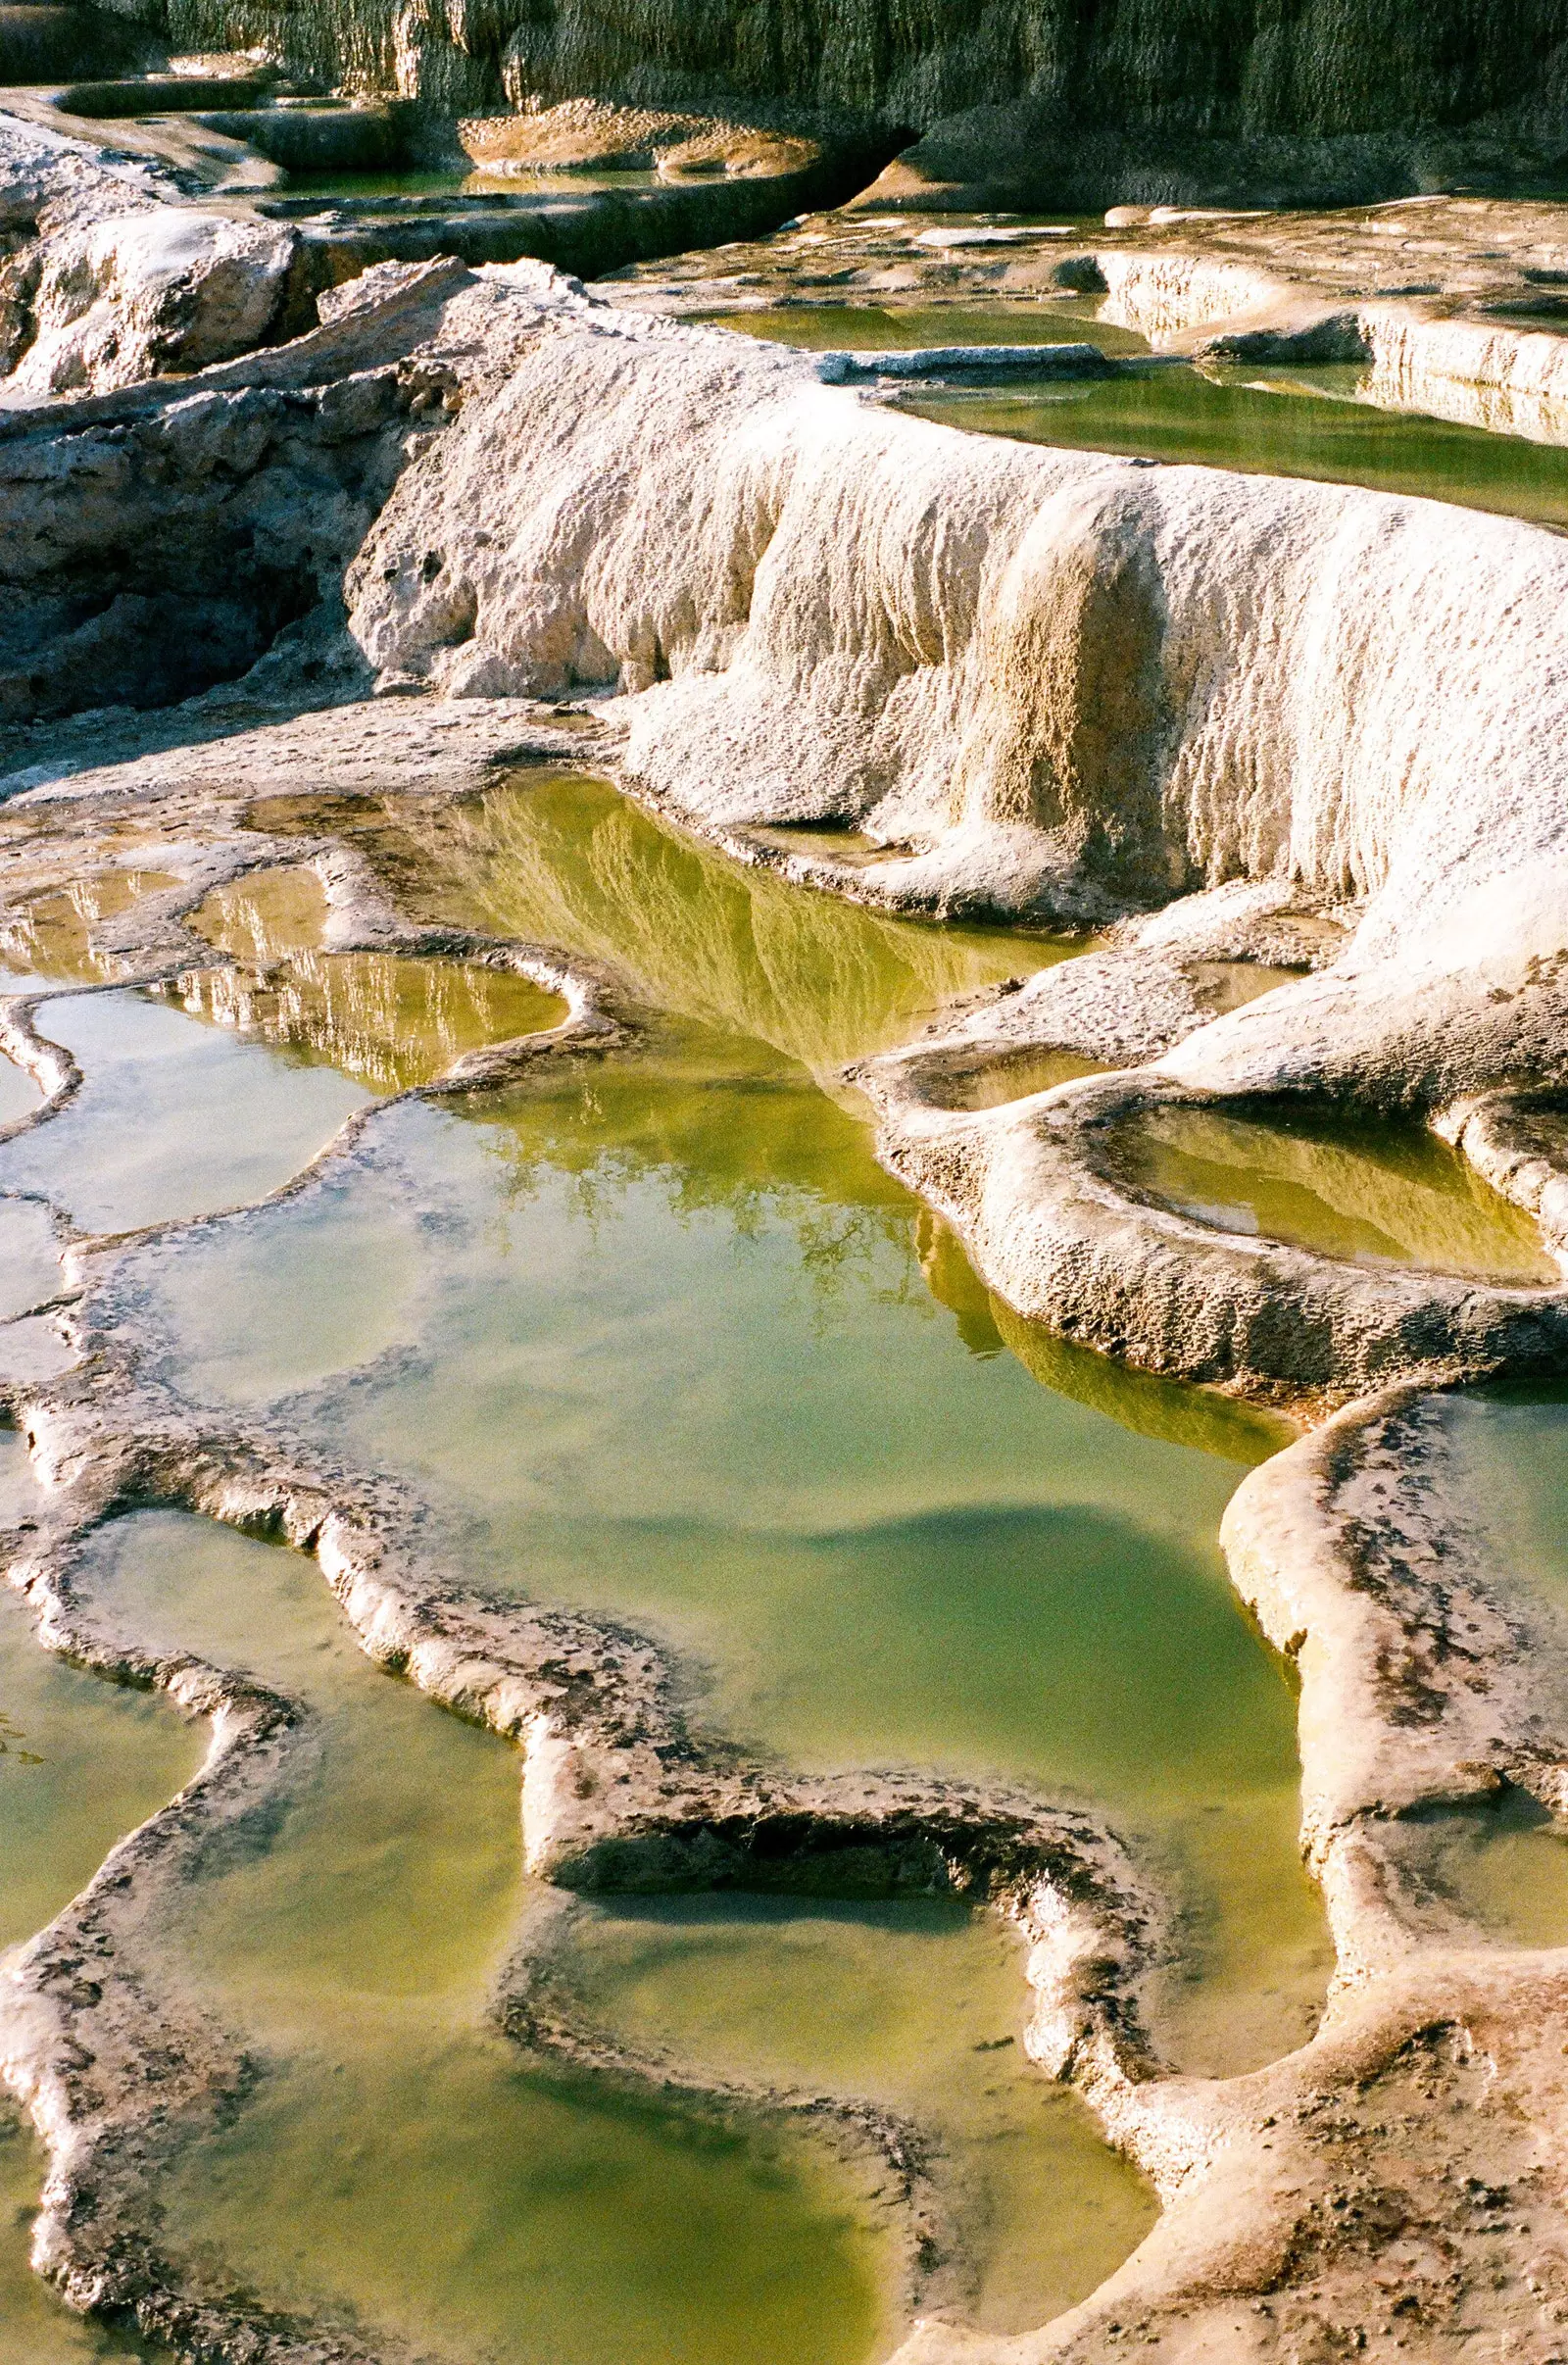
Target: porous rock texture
(136, 296)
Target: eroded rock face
(1070, 104)
(154, 292)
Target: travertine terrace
(292, 525)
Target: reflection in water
(174, 1120)
(52, 935)
(1283, 428)
(666, 1348)
(993, 1083)
(906, 327)
(655, 1336)
(1371, 1194)
(388, 1020)
(398, 2163)
(565, 860)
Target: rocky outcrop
(160, 290)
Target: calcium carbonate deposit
(783, 1196)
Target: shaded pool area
(1282, 425)
(1375, 1194)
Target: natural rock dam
(783, 1228)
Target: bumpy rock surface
(152, 292)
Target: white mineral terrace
(605, 943)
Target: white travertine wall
(1075, 683)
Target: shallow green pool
(1278, 427)
(81, 1763)
(1376, 1194)
(655, 1335)
(398, 2163)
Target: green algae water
(81, 1763)
(906, 327)
(1273, 429)
(654, 1337)
(1369, 1193)
(397, 2165)
(919, 2006)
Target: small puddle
(919, 2006)
(52, 935)
(995, 1083)
(471, 181)
(81, 1761)
(1368, 1194)
(562, 858)
(398, 2165)
(1220, 986)
(19, 1094)
(388, 1020)
(1175, 412)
